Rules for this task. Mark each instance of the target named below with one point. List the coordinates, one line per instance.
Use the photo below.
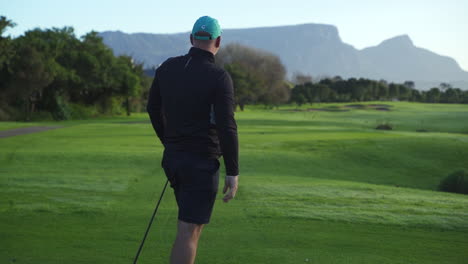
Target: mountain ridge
(315, 49)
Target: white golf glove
(230, 186)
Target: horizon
(438, 27)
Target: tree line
(357, 90)
(51, 73)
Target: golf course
(318, 184)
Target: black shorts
(194, 179)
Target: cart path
(26, 130)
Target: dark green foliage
(6, 47)
(49, 70)
(456, 182)
(78, 111)
(247, 86)
(359, 90)
(62, 110)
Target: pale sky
(438, 25)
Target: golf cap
(206, 24)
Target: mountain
(151, 49)
(398, 59)
(314, 49)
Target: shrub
(62, 109)
(116, 106)
(384, 126)
(9, 113)
(422, 130)
(41, 116)
(78, 111)
(456, 182)
(5, 114)
(111, 106)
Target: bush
(62, 109)
(5, 115)
(111, 106)
(9, 113)
(41, 116)
(116, 106)
(384, 126)
(456, 182)
(78, 111)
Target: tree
(445, 86)
(393, 91)
(6, 53)
(409, 84)
(416, 96)
(127, 80)
(6, 49)
(300, 78)
(263, 72)
(321, 92)
(31, 75)
(433, 95)
(300, 94)
(357, 91)
(247, 87)
(95, 66)
(464, 97)
(450, 96)
(382, 90)
(60, 46)
(404, 92)
(52, 68)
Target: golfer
(191, 106)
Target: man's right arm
(154, 108)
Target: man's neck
(209, 49)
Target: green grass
(14, 125)
(315, 187)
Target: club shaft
(150, 223)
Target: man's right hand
(230, 186)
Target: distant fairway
(316, 186)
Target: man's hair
(203, 42)
(202, 34)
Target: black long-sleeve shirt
(191, 107)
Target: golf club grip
(149, 225)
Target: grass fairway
(319, 187)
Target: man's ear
(218, 42)
(191, 39)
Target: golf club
(149, 225)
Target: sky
(438, 25)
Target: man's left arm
(227, 133)
(154, 108)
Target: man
(191, 106)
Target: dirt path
(26, 130)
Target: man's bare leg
(186, 243)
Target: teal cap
(209, 25)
